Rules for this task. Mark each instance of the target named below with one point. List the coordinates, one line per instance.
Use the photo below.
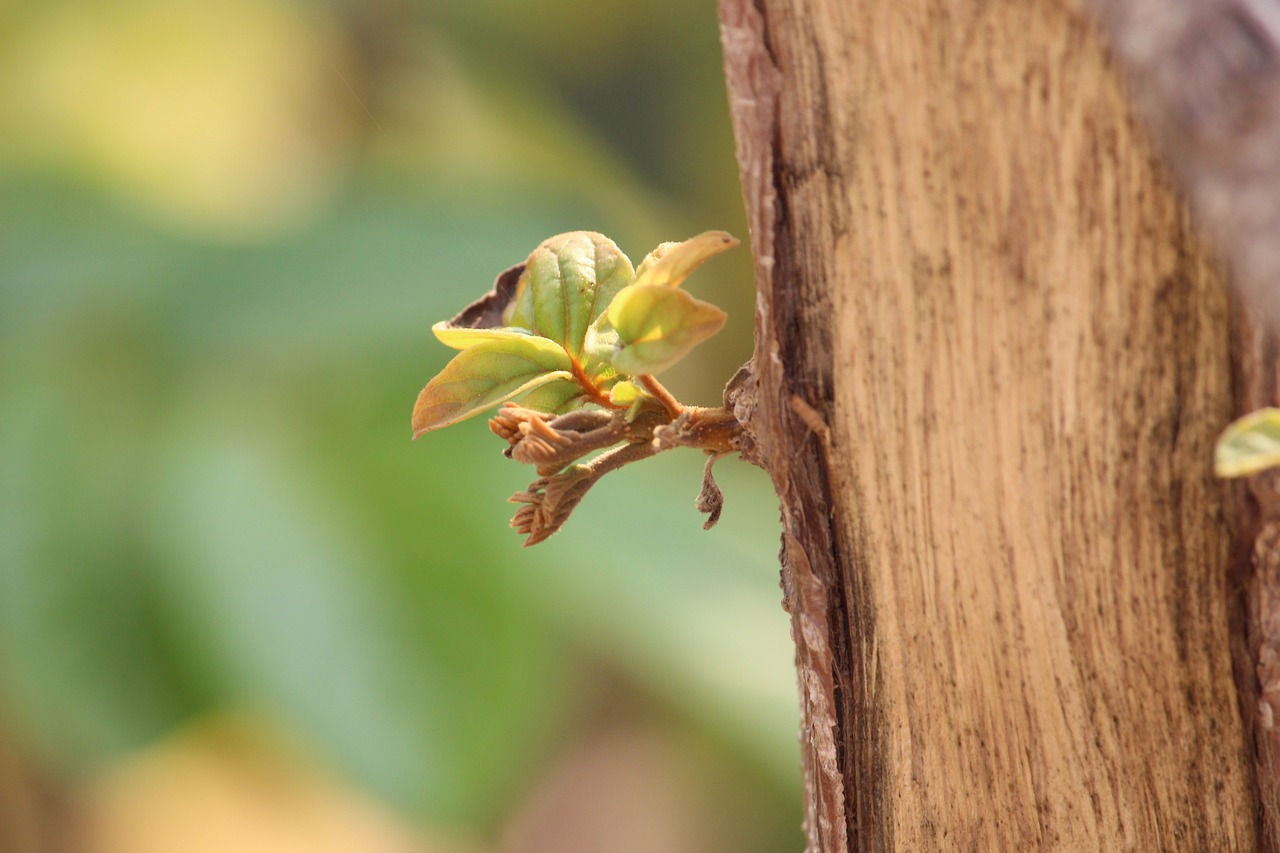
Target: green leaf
(601, 343)
(1250, 445)
(625, 393)
(567, 283)
(485, 375)
(527, 335)
(658, 325)
(671, 263)
(555, 397)
(560, 298)
(460, 337)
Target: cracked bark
(992, 358)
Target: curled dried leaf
(483, 315)
(710, 500)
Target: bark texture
(1206, 76)
(991, 363)
(1256, 567)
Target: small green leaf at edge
(485, 375)
(658, 326)
(1249, 445)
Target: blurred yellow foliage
(230, 784)
(213, 117)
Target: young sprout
(568, 343)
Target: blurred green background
(239, 609)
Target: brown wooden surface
(1256, 569)
(991, 365)
(1206, 77)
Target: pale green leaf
(625, 393)
(671, 263)
(567, 283)
(555, 397)
(485, 375)
(658, 325)
(460, 337)
(601, 343)
(1250, 445)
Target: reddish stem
(658, 390)
(593, 391)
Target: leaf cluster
(571, 340)
(569, 326)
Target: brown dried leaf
(710, 500)
(486, 312)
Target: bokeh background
(239, 609)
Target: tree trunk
(991, 363)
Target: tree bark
(1206, 76)
(991, 362)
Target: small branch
(549, 500)
(714, 430)
(663, 396)
(552, 443)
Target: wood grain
(991, 362)
(1256, 570)
(1206, 77)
